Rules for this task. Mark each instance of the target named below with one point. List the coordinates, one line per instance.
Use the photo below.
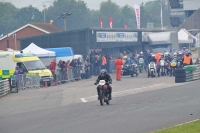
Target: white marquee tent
(40, 52)
(45, 56)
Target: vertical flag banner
(137, 14)
(161, 17)
(111, 22)
(101, 22)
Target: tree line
(82, 17)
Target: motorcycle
(167, 67)
(103, 93)
(141, 64)
(162, 67)
(130, 70)
(179, 65)
(152, 69)
(134, 69)
(173, 66)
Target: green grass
(193, 127)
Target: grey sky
(92, 4)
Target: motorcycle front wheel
(152, 74)
(101, 97)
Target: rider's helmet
(166, 54)
(103, 72)
(125, 57)
(186, 51)
(153, 56)
(175, 55)
(141, 53)
(162, 56)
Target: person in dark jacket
(108, 80)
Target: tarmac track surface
(139, 105)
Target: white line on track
(83, 100)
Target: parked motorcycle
(134, 69)
(162, 67)
(141, 64)
(103, 93)
(173, 66)
(152, 69)
(130, 70)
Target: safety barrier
(26, 81)
(188, 73)
(4, 87)
(70, 75)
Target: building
(31, 29)
(113, 41)
(180, 10)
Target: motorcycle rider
(141, 55)
(180, 58)
(168, 60)
(152, 58)
(108, 80)
(127, 60)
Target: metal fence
(69, 75)
(4, 87)
(26, 81)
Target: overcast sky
(92, 4)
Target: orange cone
(45, 84)
(56, 82)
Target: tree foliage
(82, 17)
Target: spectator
(87, 69)
(76, 69)
(79, 67)
(58, 71)
(16, 75)
(72, 64)
(92, 58)
(52, 68)
(104, 62)
(63, 70)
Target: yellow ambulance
(28, 62)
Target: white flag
(161, 17)
(137, 14)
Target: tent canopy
(40, 52)
(185, 37)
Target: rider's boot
(110, 97)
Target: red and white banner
(137, 14)
(111, 22)
(101, 22)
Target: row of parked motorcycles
(166, 68)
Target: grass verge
(191, 127)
